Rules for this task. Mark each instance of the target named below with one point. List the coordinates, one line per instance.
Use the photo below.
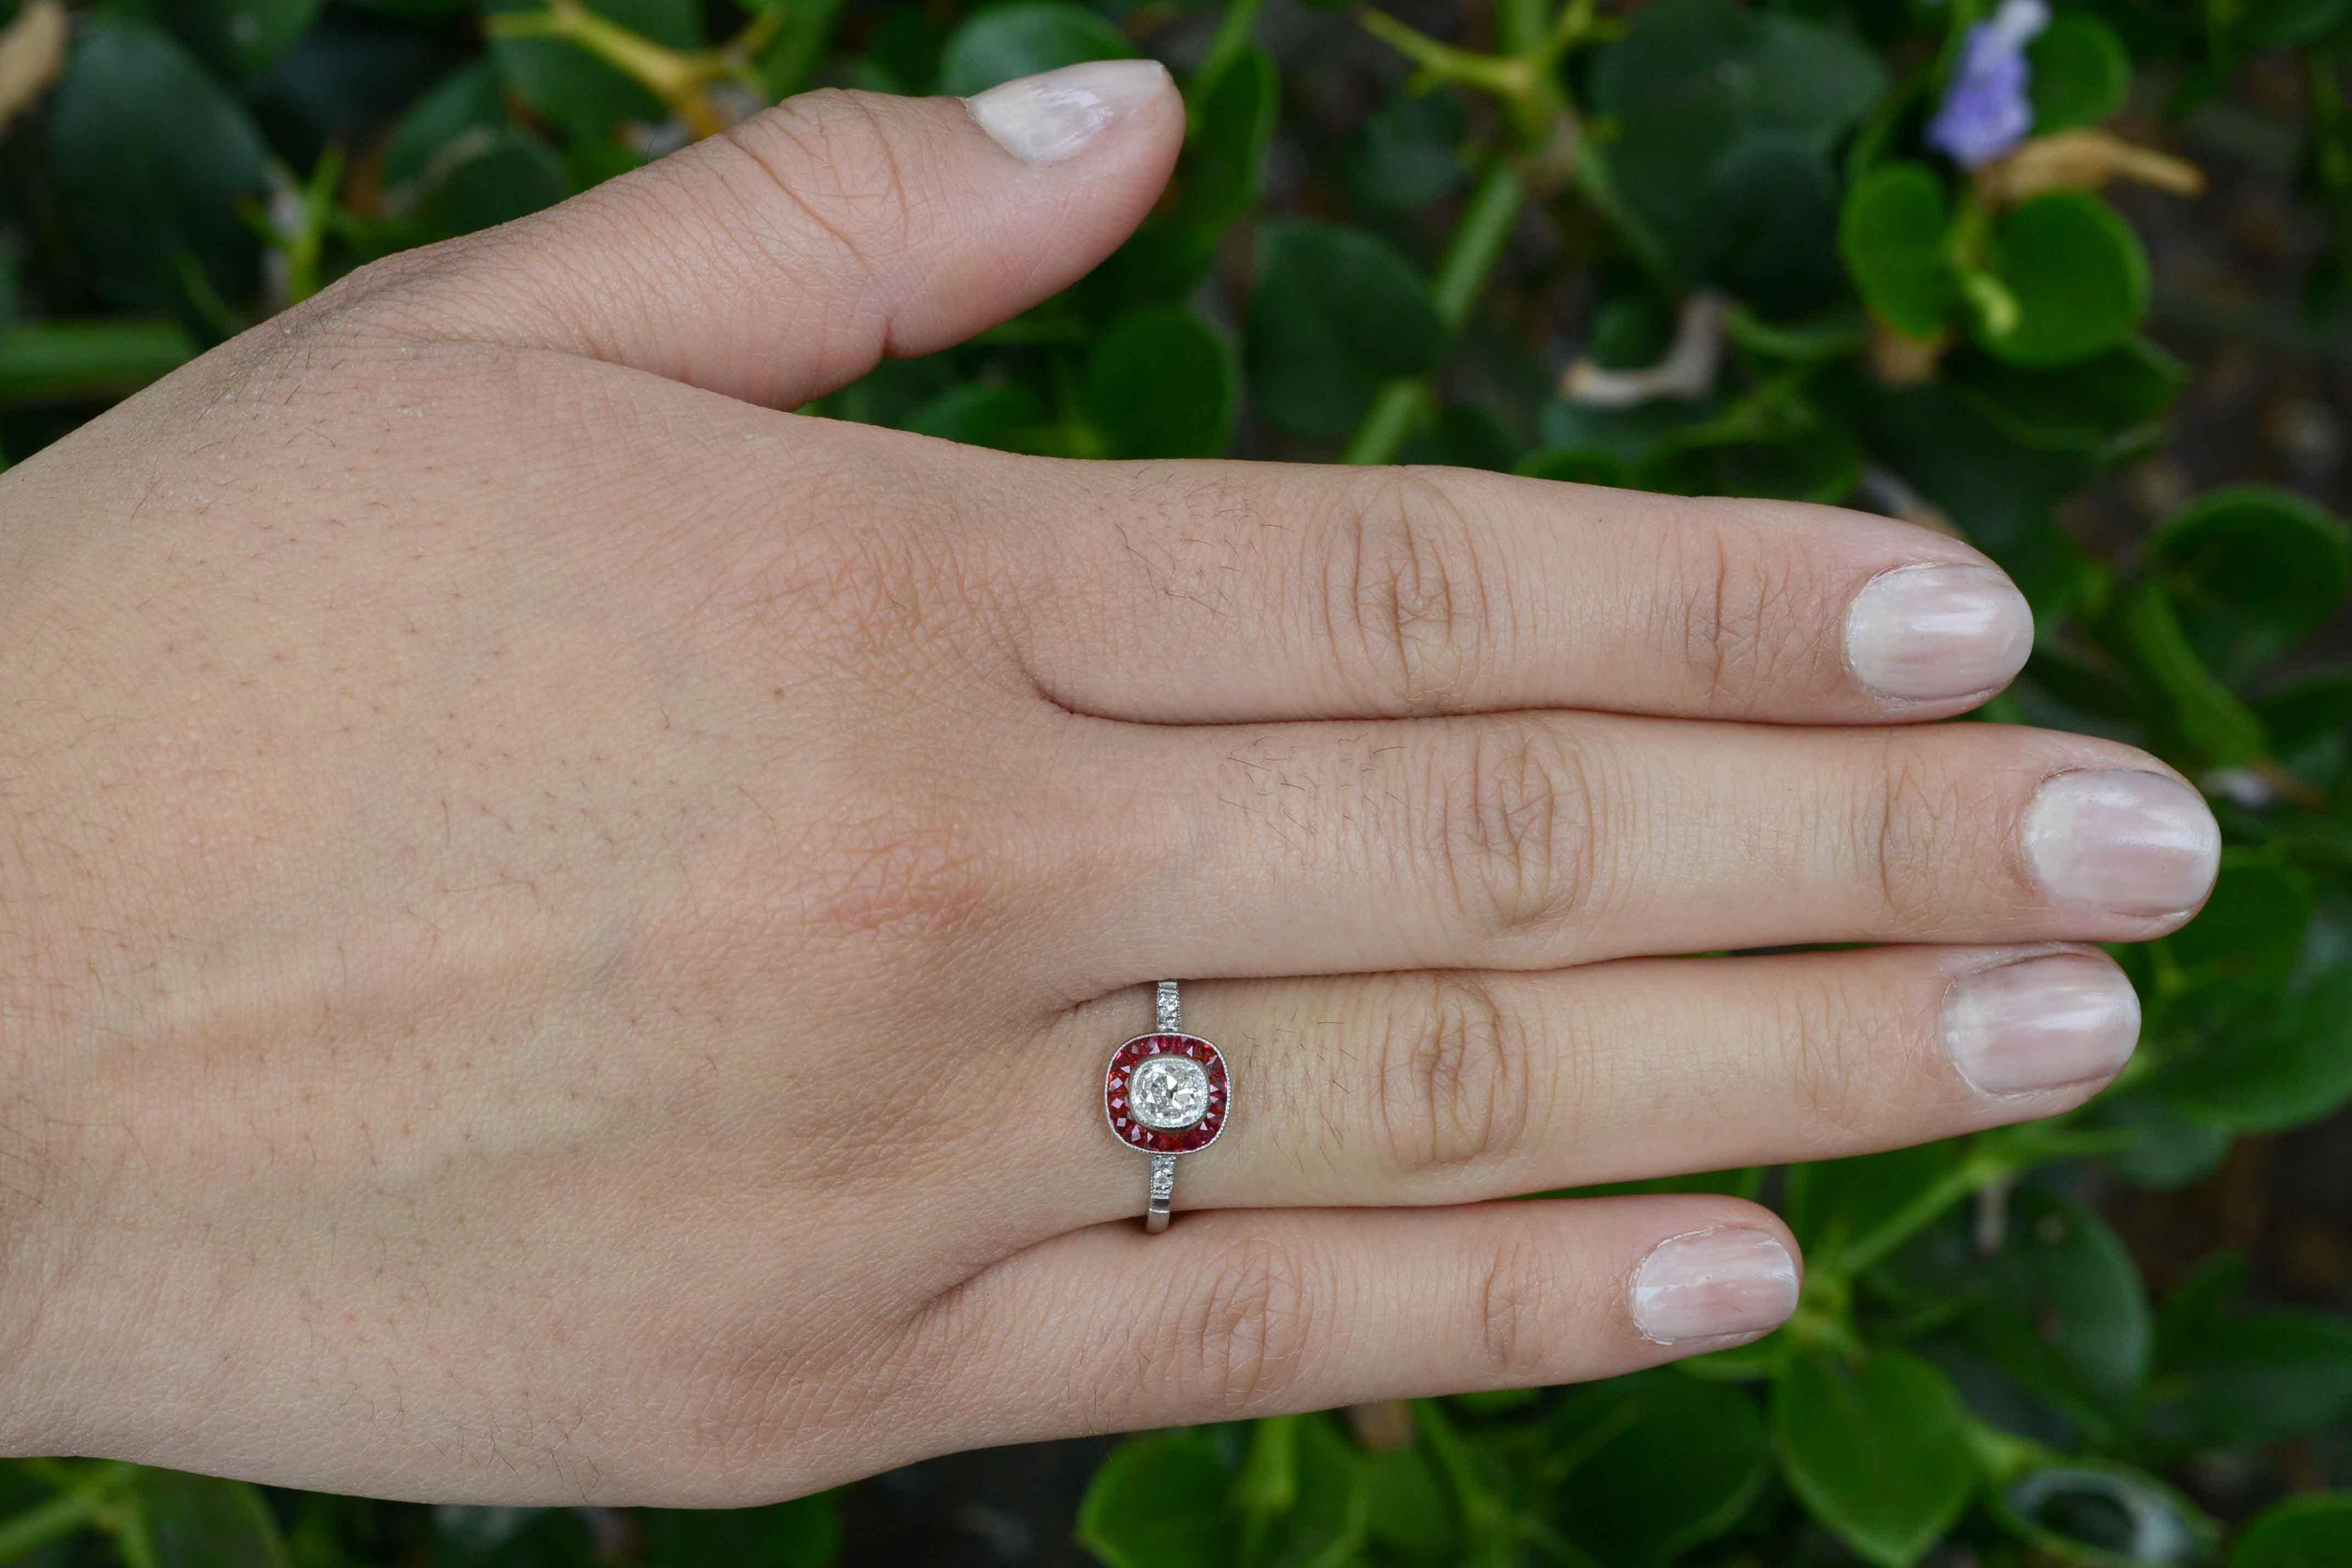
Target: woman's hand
(562, 927)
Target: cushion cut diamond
(1169, 1092)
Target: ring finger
(1440, 1088)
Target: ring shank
(1163, 1192)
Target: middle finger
(1536, 840)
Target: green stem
(1234, 30)
(1522, 26)
(1956, 1185)
(77, 361)
(1469, 260)
(63, 1514)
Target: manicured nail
(1930, 633)
(1043, 119)
(2128, 842)
(2040, 1022)
(1713, 1284)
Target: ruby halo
(1130, 1131)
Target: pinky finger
(1255, 1312)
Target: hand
(564, 927)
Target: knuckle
(1407, 596)
(1515, 827)
(1244, 1334)
(837, 163)
(1452, 1079)
(1733, 622)
(1914, 828)
(1825, 1056)
(1518, 1301)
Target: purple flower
(1985, 113)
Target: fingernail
(1043, 119)
(2122, 840)
(1929, 634)
(2042, 1023)
(1711, 1284)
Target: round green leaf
(2102, 406)
(978, 415)
(1891, 234)
(1878, 1453)
(152, 162)
(1683, 1461)
(805, 1533)
(240, 38)
(2076, 274)
(1161, 383)
(1575, 465)
(2288, 1068)
(2253, 571)
(2080, 73)
(2291, 24)
(466, 99)
(1021, 39)
(2255, 1377)
(1408, 152)
(1150, 1504)
(202, 1522)
(2301, 1532)
(1336, 313)
(2064, 1311)
(492, 177)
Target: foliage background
(1689, 244)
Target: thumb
(783, 259)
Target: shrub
(1852, 252)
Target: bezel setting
(1132, 1133)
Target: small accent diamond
(1169, 1092)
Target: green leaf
(2063, 1307)
(1408, 1512)
(805, 1533)
(2290, 24)
(2076, 273)
(1161, 383)
(466, 99)
(1878, 1453)
(239, 37)
(1677, 1463)
(2309, 719)
(2294, 1069)
(579, 93)
(2210, 719)
(1030, 35)
(201, 1521)
(2105, 406)
(2301, 1532)
(2255, 1377)
(2080, 73)
(1697, 84)
(1408, 152)
(2174, 1148)
(491, 177)
(1149, 1505)
(1336, 313)
(1008, 417)
(2253, 571)
(152, 162)
(1891, 234)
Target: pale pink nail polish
(1931, 634)
(1713, 1284)
(2040, 1024)
(2122, 840)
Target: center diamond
(1169, 1092)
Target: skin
(559, 926)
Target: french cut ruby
(1132, 1054)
